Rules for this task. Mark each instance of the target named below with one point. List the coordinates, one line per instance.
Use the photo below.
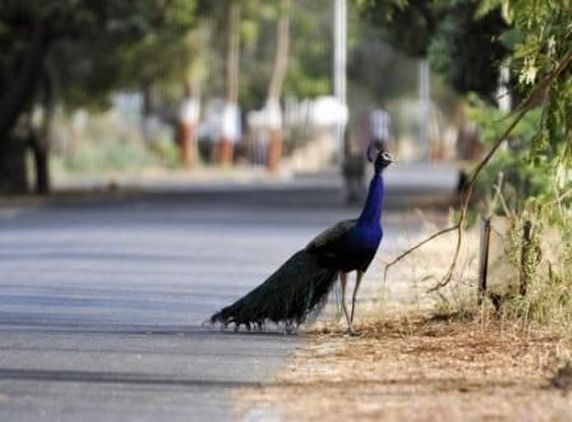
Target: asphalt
(103, 299)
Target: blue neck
(371, 213)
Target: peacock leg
(343, 283)
(359, 276)
(290, 328)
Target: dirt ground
(419, 369)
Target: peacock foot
(352, 333)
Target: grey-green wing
(329, 239)
(297, 289)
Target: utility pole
(424, 103)
(340, 64)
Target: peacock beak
(390, 158)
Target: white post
(503, 93)
(424, 98)
(504, 99)
(340, 63)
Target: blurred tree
(190, 104)
(94, 46)
(273, 109)
(407, 25)
(468, 49)
(231, 115)
(248, 27)
(541, 62)
(377, 71)
(309, 68)
(309, 49)
(468, 40)
(465, 47)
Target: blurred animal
(299, 288)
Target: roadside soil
(422, 369)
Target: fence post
(524, 256)
(484, 258)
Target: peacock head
(379, 156)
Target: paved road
(102, 303)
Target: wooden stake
(484, 258)
(524, 256)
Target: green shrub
(92, 158)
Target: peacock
(299, 288)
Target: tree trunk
(188, 119)
(13, 102)
(41, 164)
(197, 42)
(41, 140)
(233, 52)
(282, 51)
(13, 166)
(225, 149)
(43, 179)
(273, 109)
(17, 97)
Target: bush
(92, 158)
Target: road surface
(102, 303)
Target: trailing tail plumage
(296, 291)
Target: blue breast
(361, 245)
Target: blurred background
(95, 90)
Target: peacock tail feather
(295, 292)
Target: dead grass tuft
(420, 368)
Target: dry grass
(420, 369)
(479, 365)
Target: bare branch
(415, 247)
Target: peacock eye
(387, 156)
